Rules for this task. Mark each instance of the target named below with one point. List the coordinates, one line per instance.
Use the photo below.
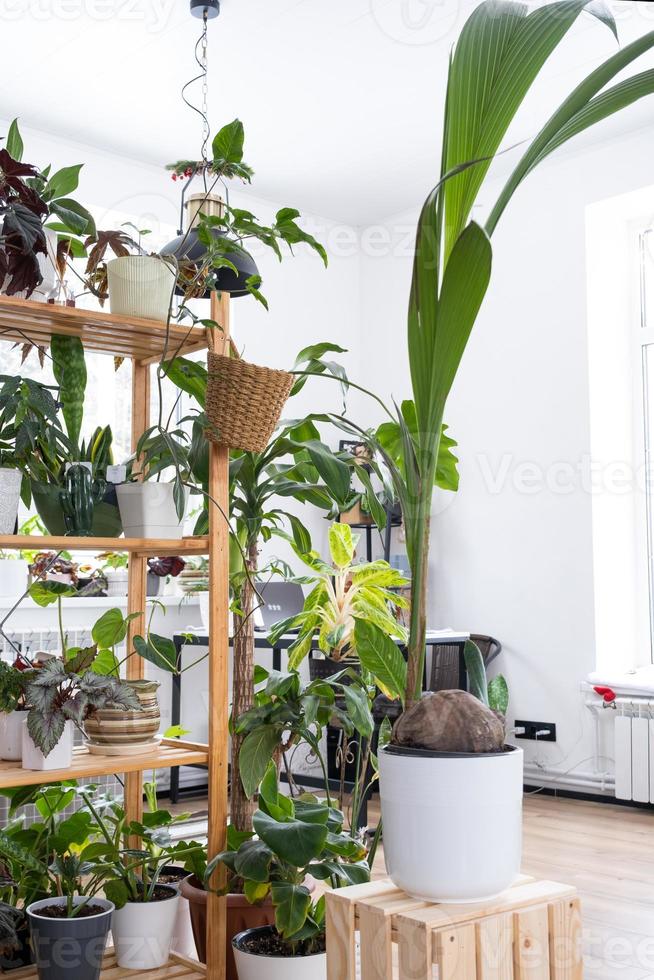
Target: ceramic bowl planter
(13, 576)
(143, 931)
(116, 730)
(10, 481)
(141, 286)
(452, 823)
(253, 965)
(61, 756)
(147, 510)
(11, 735)
(65, 948)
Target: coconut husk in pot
(450, 721)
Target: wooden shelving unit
(179, 967)
(146, 342)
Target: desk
(199, 637)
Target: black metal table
(261, 642)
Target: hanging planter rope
(244, 402)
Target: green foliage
(28, 422)
(294, 838)
(12, 688)
(498, 695)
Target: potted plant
(28, 849)
(13, 709)
(146, 910)
(115, 569)
(69, 930)
(149, 506)
(136, 283)
(161, 569)
(293, 840)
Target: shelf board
(179, 967)
(23, 320)
(85, 766)
(158, 547)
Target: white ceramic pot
(13, 576)
(47, 267)
(203, 598)
(452, 823)
(147, 510)
(140, 286)
(253, 966)
(143, 932)
(10, 481)
(11, 735)
(183, 941)
(61, 756)
(117, 579)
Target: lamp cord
(202, 58)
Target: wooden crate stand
(530, 932)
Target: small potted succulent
(293, 841)
(146, 910)
(137, 284)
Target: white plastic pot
(11, 735)
(254, 966)
(452, 823)
(203, 598)
(143, 932)
(117, 579)
(13, 576)
(10, 481)
(147, 510)
(140, 286)
(61, 756)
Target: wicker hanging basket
(244, 402)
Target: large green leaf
(295, 841)
(253, 861)
(157, 650)
(476, 671)
(292, 904)
(500, 52)
(381, 656)
(14, 142)
(228, 142)
(111, 628)
(341, 544)
(47, 593)
(63, 182)
(256, 752)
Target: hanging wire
(202, 59)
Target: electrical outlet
(537, 731)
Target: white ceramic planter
(251, 966)
(140, 286)
(143, 932)
(117, 579)
(203, 598)
(183, 941)
(147, 510)
(47, 268)
(452, 824)
(11, 735)
(10, 481)
(61, 756)
(13, 576)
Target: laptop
(280, 600)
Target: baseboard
(570, 794)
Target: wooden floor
(607, 853)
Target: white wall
(512, 552)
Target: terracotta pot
(240, 916)
(118, 726)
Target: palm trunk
(241, 808)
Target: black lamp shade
(188, 247)
(209, 7)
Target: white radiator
(634, 751)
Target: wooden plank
(455, 953)
(87, 766)
(531, 946)
(415, 949)
(376, 945)
(531, 893)
(179, 968)
(218, 667)
(22, 320)
(566, 960)
(495, 948)
(139, 546)
(341, 946)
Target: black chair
(444, 675)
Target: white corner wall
(513, 549)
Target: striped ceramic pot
(121, 727)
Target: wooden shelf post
(218, 660)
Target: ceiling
(341, 99)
